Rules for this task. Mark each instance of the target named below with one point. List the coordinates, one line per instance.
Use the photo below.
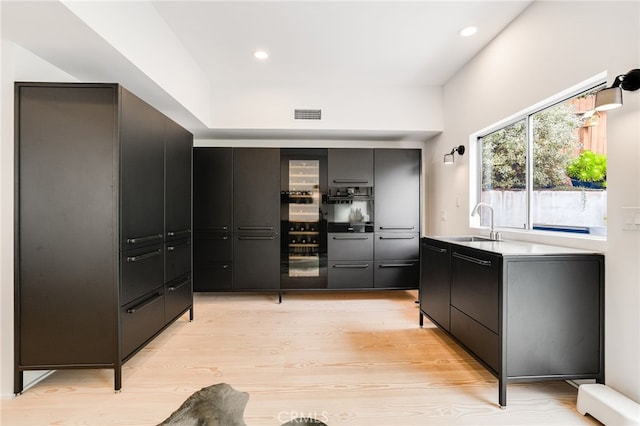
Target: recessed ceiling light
(468, 31)
(261, 54)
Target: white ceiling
(352, 42)
(329, 43)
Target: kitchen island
(526, 311)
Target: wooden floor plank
(344, 358)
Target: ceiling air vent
(307, 114)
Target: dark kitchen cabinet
(530, 312)
(213, 220)
(397, 190)
(178, 146)
(212, 189)
(435, 281)
(350, 260)
(350, 167)
(142, 172)
(256, 219)
(397, 218)
(91, 237)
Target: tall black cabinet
(256, 219)
(213, 219)
(237, 219)
(397, 218)
(103, 253)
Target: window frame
(527, 114)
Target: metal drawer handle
(256, 228)
(397, 227)
(174, 233)
(145, 303)
(382, 237)
(472, 259)
(143, 256)
(434, 248)
(356, 265)
(144, 239)
(349, 238)
(172, 248)
(182, 284)
(350, 181)
(396, 265)
(257, 237)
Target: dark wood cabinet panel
(61, 244)
(350, 246)
(213, 189)
(141, 271)
(178, 144)
(90, 216)
(350, 167)
(396, 273)
(397, 190)
(256, 190)
(345, 274)
(256, 262)
(142, 172)
(435, 281)
(397, 246)
(177, 295)
(177, 259)
(475, 285)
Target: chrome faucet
(493, 235)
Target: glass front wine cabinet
(303, 212)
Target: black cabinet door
(66, 299)
(256, 189)
(178, 144)
(212, 189)
(256, 262)
(142, 173)
(475, 285)
(397, 190)
(435, 281)
(350, 167)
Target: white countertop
(514, 248)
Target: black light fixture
(611, 97)
(448, 158)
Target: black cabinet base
(18, 377)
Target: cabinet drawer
(484, 343)
(142, 270)
(140, 320)
(256, 262)
(177, 297)
(350, 274)
(350, 246)
(396, 273)
(212, 246)
(212, 276)
(396, 246)
(475, 285)
(177, 260)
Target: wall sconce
(611, 97)
(448, 158)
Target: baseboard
(607, 405)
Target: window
(546, 169)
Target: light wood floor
(344, 358)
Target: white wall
(550, 47)
(343, 107)
(17, 64)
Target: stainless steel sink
(466, 238)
